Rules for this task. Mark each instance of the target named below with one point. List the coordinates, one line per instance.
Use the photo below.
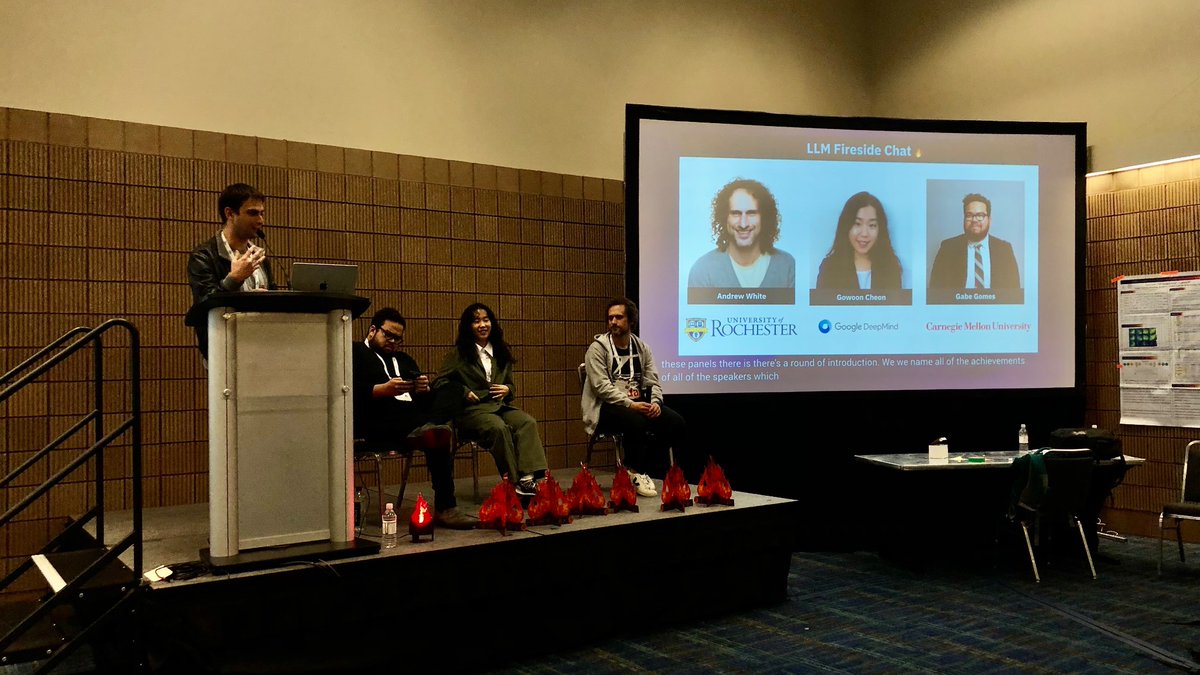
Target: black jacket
(950, 264)
(385, 420)
(207, 269)
(841, 275)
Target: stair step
(60, 568)
(47, 634)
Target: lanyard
(619, 369)
(395, 363)
(406, 396)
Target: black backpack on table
(1103, 443)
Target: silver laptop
(324, 278)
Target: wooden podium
(280, 426)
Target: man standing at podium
(393, 407)
(230, 260)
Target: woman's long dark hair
(465, 343)
(885, 265)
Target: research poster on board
(1158, 328)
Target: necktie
(485, 360)
(979, 266)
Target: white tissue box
(940, 451)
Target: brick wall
(97, 218)
(1142, 221)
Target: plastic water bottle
(388, 539)
(1023, 440)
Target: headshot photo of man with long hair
(745, 228)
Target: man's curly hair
(768, 213)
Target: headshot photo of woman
(862, 256)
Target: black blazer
(459, 375)
(207, 268)
(950, 264)
(841, 275)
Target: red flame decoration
(420, 524)
(676, 494)
(713, 488)
(622, 496)
(585, 496)
(502, 509)
(549, 505)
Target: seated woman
(479, 372)
(862, 255)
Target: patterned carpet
(854, 612)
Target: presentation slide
(799, 259)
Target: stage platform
(496, 598)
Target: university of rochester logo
(695, 329)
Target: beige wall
(542, 84)
(529, 84)
(1131, 70)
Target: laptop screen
(324, 278)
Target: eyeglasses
(975, 217)
(391, 337)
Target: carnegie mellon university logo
(695, 329)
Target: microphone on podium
(262, 237)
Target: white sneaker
(643, 484)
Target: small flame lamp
(549, 506)
(421, 522)
(585, 498)
(676, 494)
(713, 487)
(622, 496)
(502, 509)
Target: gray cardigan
(600, 387)
(715, 270)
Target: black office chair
(370, 457)
(474, 449)
(1188, 508)
(615, 438)
(1068, 482)
(369, 460)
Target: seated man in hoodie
(622, 395)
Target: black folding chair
(1188, 507)
(1068, 484)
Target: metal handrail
(62, 438)
(68, 590)
(129, 594)
(92, 335)
(86, 337)
(63, 473)
(27, 372)
(41, 353)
